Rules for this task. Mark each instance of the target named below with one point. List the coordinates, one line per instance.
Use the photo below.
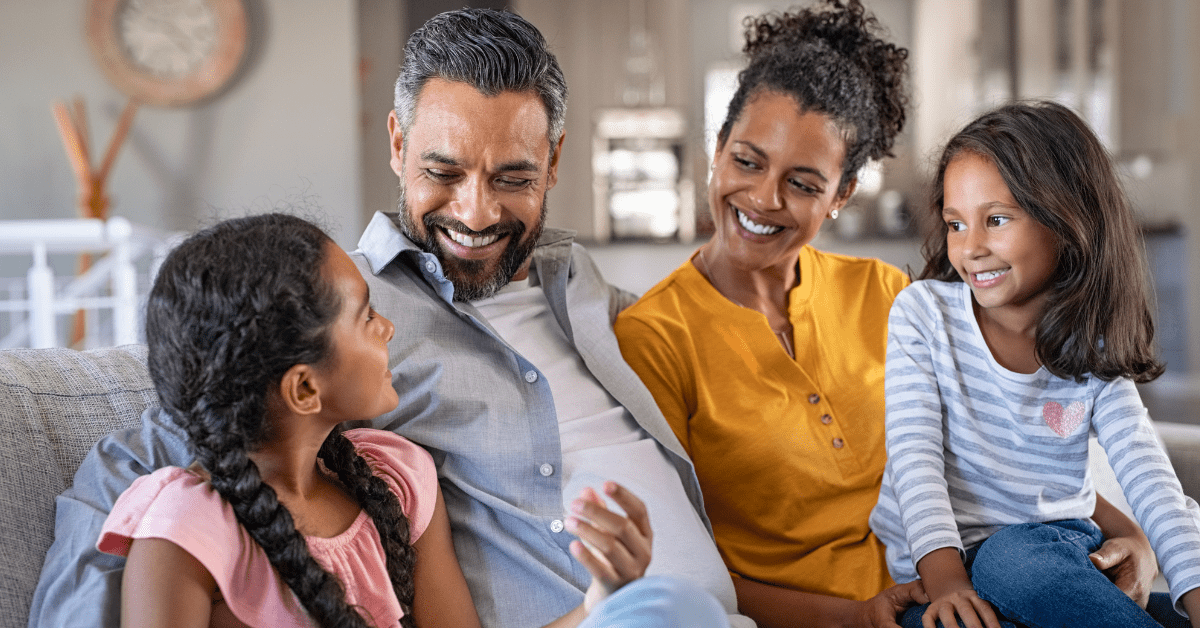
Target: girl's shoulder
(406, 467)
(171, 503)
(933, 295)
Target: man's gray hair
(493, 51)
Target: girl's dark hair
(831, 60)
(232, 309)
(1098, 317)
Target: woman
(767, 356)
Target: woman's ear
(300, 391)
(844, 197)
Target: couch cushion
(54, 405)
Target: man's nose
(476, 204)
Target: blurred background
(302, 120)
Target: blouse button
(838, 443)
(826, 419)
(814, 398)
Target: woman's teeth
(471, 242)
(754, 227)
(991, 274)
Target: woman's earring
(833, 214)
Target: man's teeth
(469, 241)
(991, 274)
(754, 227)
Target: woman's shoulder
(406, 467)
(872, 271)
(669, 299)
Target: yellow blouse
(789, 452)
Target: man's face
(474, 171)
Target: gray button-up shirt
(487, 415)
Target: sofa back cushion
(54, 405)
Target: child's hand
(960, 603)
(615, 549)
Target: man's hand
(1129, 562)
(615, 549)
(881, 611)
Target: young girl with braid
(262, 342)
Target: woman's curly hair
(831, 60)
(232, 309)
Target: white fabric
(601, 441)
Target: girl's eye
(371, 314)
(996, 221)
(955, 225)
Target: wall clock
(168, 52)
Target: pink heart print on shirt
(1063, 422)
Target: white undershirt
(601, 441)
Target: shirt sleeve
(914, 428)
(406, 468)
(652, 357)
(1170, 519)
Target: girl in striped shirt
(1026, 334)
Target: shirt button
(430, 266)
(826, 419)
(838, 443)
(546, 469)
(531, 376)
(556, 526)
(814, 398)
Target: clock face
(168, 52)
(168, 38)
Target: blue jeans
(1038, 575)
(658, 602)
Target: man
(504, 357)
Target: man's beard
(470, 277)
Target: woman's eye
(804, 187)
(743, 162)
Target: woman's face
(774, 181)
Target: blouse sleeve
(651, 355)
(406, 468)
(913, 424)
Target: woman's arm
(777, 607)
(1126, 556)
(163, 585)
(441, 596)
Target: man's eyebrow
(521, 165)
(441, 158)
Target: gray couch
(56, 403)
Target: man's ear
(552, 174)
(300, 390)
(396, 143)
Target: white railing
(107, 293)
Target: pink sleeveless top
(177, 505)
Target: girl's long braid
(377, 499)
(232, 309)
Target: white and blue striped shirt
(973, 447)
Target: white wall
(286, 130)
